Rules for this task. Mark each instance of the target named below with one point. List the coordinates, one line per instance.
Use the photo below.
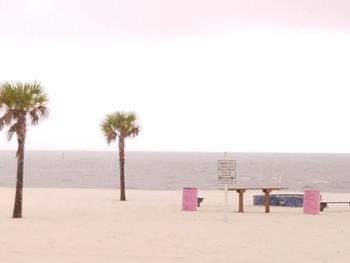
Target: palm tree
(121, 125)
(21, 102)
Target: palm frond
(13, 129)
(7, 118)
(38, 113)
(107, 129)
(34, 116)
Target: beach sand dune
(92, 225)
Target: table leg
(267, 199)
(240, 200)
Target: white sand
(89, 225)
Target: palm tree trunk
(121, 168)
(17, 210)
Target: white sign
(227, 171)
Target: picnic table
(266, 191)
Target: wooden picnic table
(266, 191)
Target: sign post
(226, 176)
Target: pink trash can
(189, 199)
(312, 202)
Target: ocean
(175, 170)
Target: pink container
(189, 199)
(312, 202)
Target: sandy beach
(92, 225)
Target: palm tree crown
(120, 124)
(22, 100)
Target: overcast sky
(220, 75)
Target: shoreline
(285, 191)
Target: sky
(202, 75)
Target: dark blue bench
(288, 200)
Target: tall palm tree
(120, 125)
(22, 102)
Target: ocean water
(175, 170)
